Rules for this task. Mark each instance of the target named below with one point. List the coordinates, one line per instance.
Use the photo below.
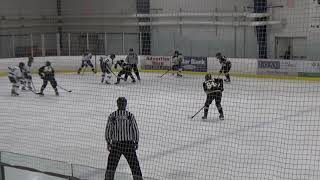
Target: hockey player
(213, 88)
(126, 70)
(225, 66)
(27, 74)
(106, 64)
(132, 60)
(86, 61)
(177, 59)
(47, 74)
(15, 77)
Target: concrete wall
(203, 40)
(191, 40)
(199, 5)
(297, 18)
(295, 22)
(29, 7)
(20, 8)
(26, 8)
(98, 7)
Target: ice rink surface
(271, 128)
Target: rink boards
(242, 67)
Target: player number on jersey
(210, 84)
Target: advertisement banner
(277, 67)
(195, 64)
(310, 69)
(157, 62)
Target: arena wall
(240, 66)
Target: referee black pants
(128, 150)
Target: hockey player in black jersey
(225, 66)
(47, 74)
(126, 70)
(213, 88)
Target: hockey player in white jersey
(86, 61)
(26, 71)
(15, 77)
(177, 60)
(106, 64)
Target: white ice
(271, 128)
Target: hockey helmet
(218, 55)
(30, 60)
(112, 56)
(21, 64)
(208, 77)
(122, 102)
(48, 63)
(131, 50)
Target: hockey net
(271, 106)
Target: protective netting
(271, 107)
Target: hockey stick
(64, 89)
(34, 92)
(114, 73)
(165, 73)
(33, 85)
(34, 89)
(197, 112)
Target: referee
(122, 136)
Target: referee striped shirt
(122, 126)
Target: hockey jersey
(15, 72)
(87, 56)
(106, 62)
(224, 62)
(46, 72)
(177, 59)
(213, 85)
